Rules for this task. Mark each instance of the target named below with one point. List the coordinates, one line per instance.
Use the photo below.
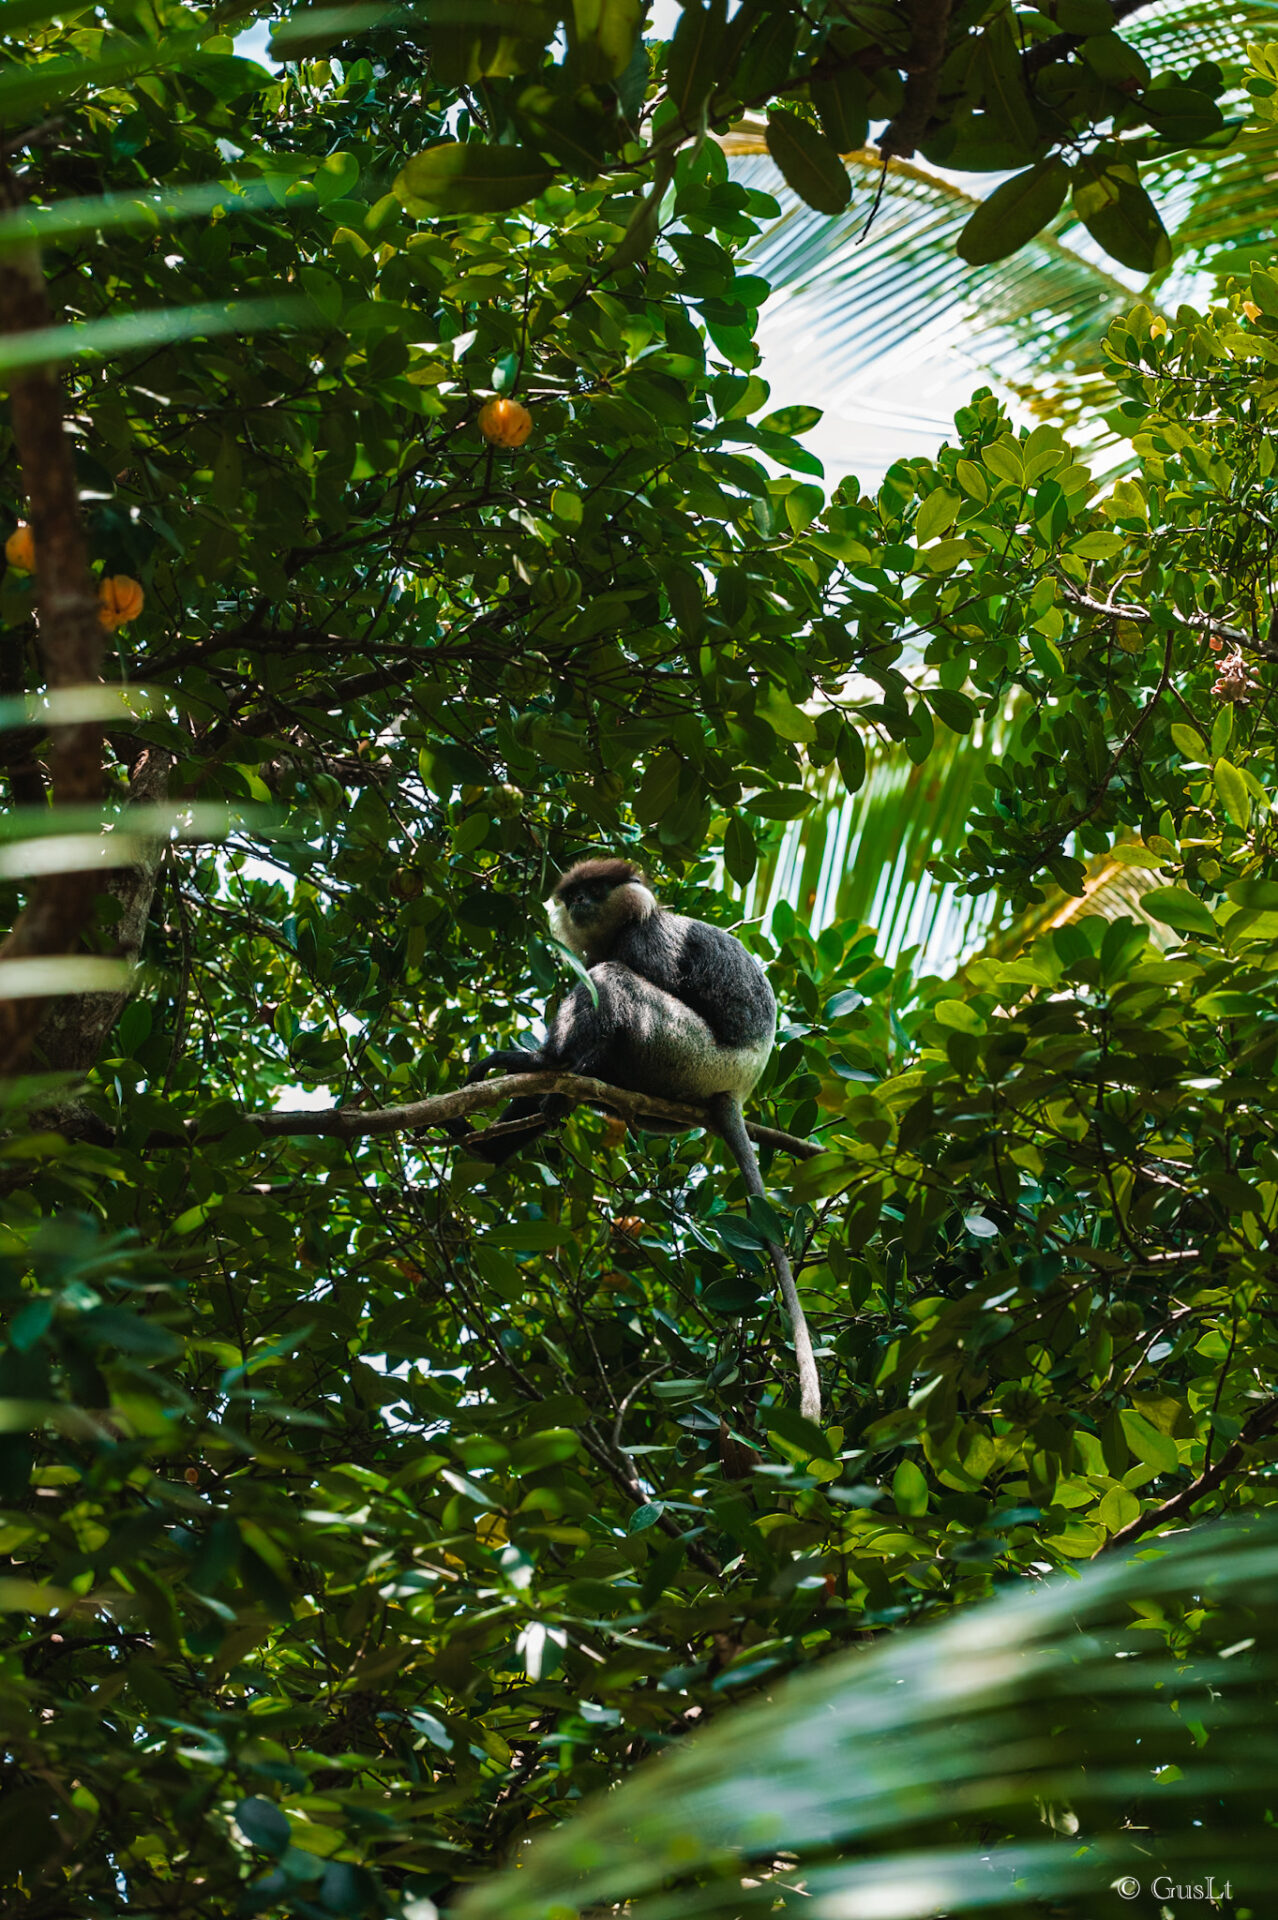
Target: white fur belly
(726, 1070)
(673, 1051)
(656, 1043)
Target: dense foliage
(365, 1506)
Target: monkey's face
(579, 916)
(586, 901)
(589, 909)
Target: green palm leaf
(860, 296)
(862, 859)
(1127, 1713)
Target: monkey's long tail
(725, 1110)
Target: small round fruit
(119, 600)
(19, 550)
(506, 802)
(505, 423)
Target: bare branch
(1142, 616)
(929, 25)
(441, 1109)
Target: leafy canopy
(364, 1507)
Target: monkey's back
(708, 970)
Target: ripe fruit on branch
(505, 423)
(19, 550)
(119, 600)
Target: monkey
(680, 1009)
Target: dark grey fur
(679, 1009)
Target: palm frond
(902, 284)
(1179, 33)
(861, 859)
(1037, 1746)
(877, 316)
(1111, 889)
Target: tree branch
(441, 1109)
(60, 905)
(75, 1029)
(1141, 616)
(1262, 1423)
(929, 26)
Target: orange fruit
(504, 423)
(19, 550)
(119, 600)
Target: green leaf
(336, 176)
(1179, 909)
(849, 752)
(470, 177)
(1014, 213)
(740, 854)
(1097, 546)
(1188, 743)
(947, 554)
(843, 102)
(262, 1824)
(1182, 114)
(955, 710)
(528, 1236)
(909, 1489)
(778, 803)
(767, 55)
(792, 420)
(735, 1296)
(1148, 1444)
(1119, 214)
(1083, 16)
(936, 515)
(693, 63)
(566, 506)
(809, 162)
(1003, 458)
(1232, 788)
(1259, 896)
(606, 30)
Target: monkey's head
(594, 901)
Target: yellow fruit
(119, 600)
(19, 550)
(504, 423)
